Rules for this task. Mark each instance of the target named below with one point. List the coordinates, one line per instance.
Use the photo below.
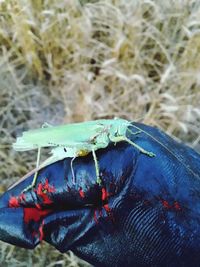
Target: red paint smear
(42, 191)
(104, 194)
(13, 202)
(38, 206)
(81, 193)
(107, 208)
(95, 217)
(177, 206)
(41, 231)
(100, 213)
(22, 197)
(34, 214)
(166, 204)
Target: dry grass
(70, 60)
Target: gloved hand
(146, 212)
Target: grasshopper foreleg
(72, 170)
(96, 167)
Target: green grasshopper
(75, 140)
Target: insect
(76, 140)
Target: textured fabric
(145, 213)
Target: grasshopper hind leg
(142, 150)
(36, 173)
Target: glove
(145, 212)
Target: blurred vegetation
(70, 60)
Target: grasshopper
(76, 140)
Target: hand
(146, 211)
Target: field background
(67, 61)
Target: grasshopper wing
(68, 135)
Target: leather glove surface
(145, 212)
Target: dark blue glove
(146, 212)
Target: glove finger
(13, 230)
(89, 233)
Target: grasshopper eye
(93, 140)
(65, 149)
(116, 134)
